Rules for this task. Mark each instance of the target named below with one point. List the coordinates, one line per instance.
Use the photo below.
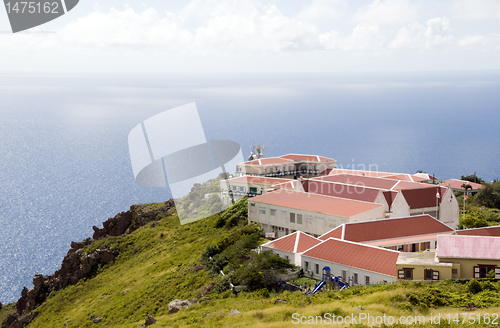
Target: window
(283, 215)
(406, 273)
(273, 212)
(262, 210)
(355, 279)
(252, 207)
(253, 190)
(292, 217)
(367, 280)
(316, 268)
(482, 270)
(385, 282)
(307, 265)
(454, 271)
(287, 257)
(428, 274)
(299, 218)
(344, 274)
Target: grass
(159, 264)
(6, 309)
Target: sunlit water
(64, 156)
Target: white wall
(336, 270)
(283, 254)
(312, 223)
(400, 207)
(375, 214)
(449, 209)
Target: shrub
(474, 287)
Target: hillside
(161, 261)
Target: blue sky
(260, 36)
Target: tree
(472, 178)
(466, 186)
(489, 195)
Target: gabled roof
(389, 229)
(375, 182)
(423, 198)
(296, 242)
(487, 231)
(315, 203)
(457, 184)
(468, 247)
(341, 190)
(405, 177)
(355, 255)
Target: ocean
(64, 155)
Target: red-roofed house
(291, 165)
(409, 234)
(422, 198)
(358, 263)
(291, 246)
(284, 211)
(457, 257)
(456, 185)
(394, 202)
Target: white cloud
(246, 30)
(476, 10)
(472, 41)
(388, 12)
(322, 10)
(438, 33)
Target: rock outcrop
(79, 263)
(177, 305)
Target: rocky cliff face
(78, 264)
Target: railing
(281, 173)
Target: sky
(259, 36)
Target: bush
(474, 287)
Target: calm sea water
(64, 163)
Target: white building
(284, 211)
(357, 263)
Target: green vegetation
(167, 261)
(472, 178)
(5, 310)
(489, 195)
(478, 215)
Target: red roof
(358, 172)
(260, 180)
(390, 228)
(307, 158)
(269, 161)
(468, 247)
(390, 196)
(334, 233)
(360, 181)
(457, 184)
(356, 255)
(487, 231)
(422, 198)
(405, 177)
(342, 190)
(296, 242)
(315, 203)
